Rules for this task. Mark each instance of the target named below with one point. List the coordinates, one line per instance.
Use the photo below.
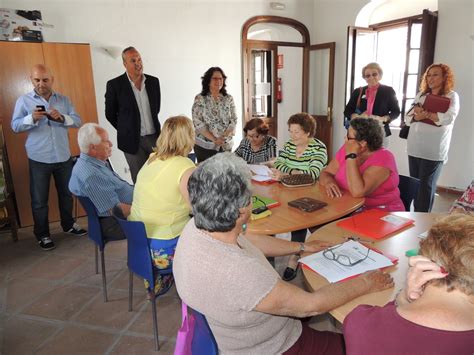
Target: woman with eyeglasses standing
(214, 116)
(364, 168)
(257, 146)
(375, 100)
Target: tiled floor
(51, 302)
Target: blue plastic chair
(139, 262)
(408, 187)
(203, 339)
(95, 234)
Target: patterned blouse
(215, 115)
(312, 161)
(265, 153)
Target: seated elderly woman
(364, 168)
(435, 313)
(257, 146)
(302, 154)
(160, 197)
(222, 272)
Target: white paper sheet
(333, 271)
(260, 172)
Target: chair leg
(96, 249)
(104, 282)
(155, 322)
(130, 291)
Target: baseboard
(449, 190)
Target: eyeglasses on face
(253, 136)
(367, 76)
(342, 259)
(350, 138)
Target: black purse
(404, 131)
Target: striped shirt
(93, 178)
(265, 153)
(312, 161)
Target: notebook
(375, 223)
(436, 103)
(259, 201)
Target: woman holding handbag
(428, 141)
(375, 100)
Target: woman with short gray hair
(221, 271)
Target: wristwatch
(351, 156)
(302, 249)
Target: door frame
(331, 46)
(249, 43)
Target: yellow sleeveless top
(157, 200)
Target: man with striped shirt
(93, 178)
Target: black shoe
(46, 243)
(76, 230)
(289, 274)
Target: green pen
(412, 252)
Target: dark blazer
(386, 103)
(121, 110)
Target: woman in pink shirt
(364, 168)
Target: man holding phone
(46, 116)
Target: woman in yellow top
(160, 197)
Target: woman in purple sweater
(435, 313)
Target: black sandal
(289, 274)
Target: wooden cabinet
(72, 70)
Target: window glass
(413, 61)
(412, 88)
(415, 39)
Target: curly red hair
(448, 79)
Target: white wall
(291, 78)
(178, 40)
(454, 46)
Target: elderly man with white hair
(92, 177)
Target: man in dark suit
(132, 104)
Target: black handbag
(404, 130)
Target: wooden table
(395, 244)
(286, 219)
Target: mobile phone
(259, 210)
(41, 107)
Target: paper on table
(332, 271)
(260, 172)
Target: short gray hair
(218, 188)
(88, 135)
(375, 66)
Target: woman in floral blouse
(214, 116)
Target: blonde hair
(450, 243)
(176, 139)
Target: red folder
(436, 103)
(375, 223)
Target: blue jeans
(428, 172)
(40, 176)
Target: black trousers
(203, 153)
(428, 172)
